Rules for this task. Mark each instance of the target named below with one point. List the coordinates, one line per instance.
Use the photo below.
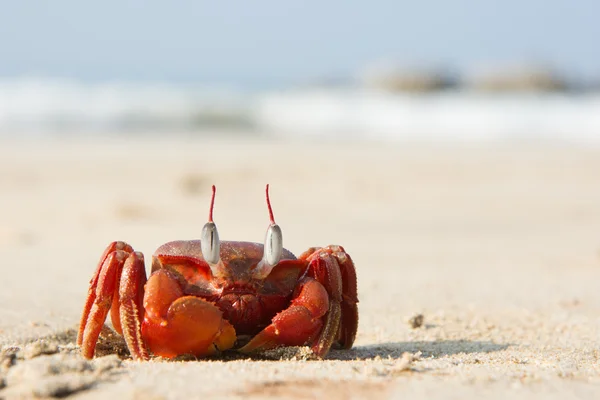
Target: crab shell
(187, 307)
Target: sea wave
(43, 105)
(50, 105)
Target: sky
(275, 41)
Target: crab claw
(177, 324)
(298, 324)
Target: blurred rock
(525, 78)
(404, 79)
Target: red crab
(205, 296)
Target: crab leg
(131, 308)
(349, 322)
(117, 286)
(99, 301)
(324, 264)
(91, 297)
(324, 268)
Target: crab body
(200, 299)
(247, 303)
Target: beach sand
(496, 246)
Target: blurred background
(458, 70)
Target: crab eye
(273, 245)
(209, 241)
(210, 244)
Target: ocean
(35, 106)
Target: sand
(496, 246)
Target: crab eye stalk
(209, 243)
(273, 248)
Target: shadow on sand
(438, 348)
(112, 343)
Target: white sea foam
(447, 116)
(55, 105)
